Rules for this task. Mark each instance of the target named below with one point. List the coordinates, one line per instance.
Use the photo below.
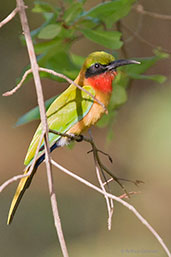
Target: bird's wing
(64, 112)
(69, 108)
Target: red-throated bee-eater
(73, 111)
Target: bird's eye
(96, 65)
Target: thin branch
(108, 181)
(108, 202)
(55, 211)
(140, 9)
(13, 179)
(136, 31)
(14, 90)
(118, 199)
(95, 151)
(35, 69)
(124, 196)
(141, 39)
(106, 154)
(136, 35)
(9, 17)
(122, 49)
(11, 92)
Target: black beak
(115, 64)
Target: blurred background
(141, 149)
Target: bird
(73, 112)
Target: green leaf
(77, 60)
(111, 11)
(33, 114)
(82, 1)
(119, 97)
(51, 19)
(146, 63)
(47, 15)
(136, 71)
(121, 11)
(40, 7)
(109, 39)
(45, 46)
(72, 12)
(50, 31)
(103, 9)
(106, 119)
(158, 78)
(122, 79)
(110, 133)
(88, 22)
(58, 58)
(160, 54)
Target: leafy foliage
(68, 22)
(109, 39)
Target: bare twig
(124, 196)
(141, 39)
(11, 92)
(13, 179)
(122, 49)
(95, 151)
(108, 181)
(136, 31)
(14, 90)
(106, 154)
(55, 211)
(140, 9)
(9, 17)
(118, 199)
(108, 202)
(35, 69)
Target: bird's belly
(92, 116)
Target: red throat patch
(103, 81)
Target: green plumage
(69, 108)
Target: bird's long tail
(22, 186)
(25, 183)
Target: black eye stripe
(95, 69)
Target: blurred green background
(141, 149)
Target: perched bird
(73, 111)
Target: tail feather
(22, 186)
(25, 183)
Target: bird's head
(100, 70)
